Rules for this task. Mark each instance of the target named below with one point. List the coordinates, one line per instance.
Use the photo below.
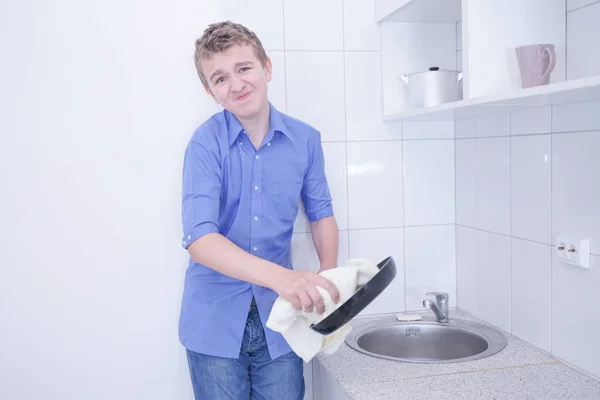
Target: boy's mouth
(243, 97)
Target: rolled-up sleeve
(315, 190)
(201, 189)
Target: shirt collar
(276, 124)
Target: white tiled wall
(392, 197)
(524, 176)
(520, 184)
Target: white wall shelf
(418, 10)
(576, 90)
(475, 37)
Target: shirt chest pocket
(283, 188)
(283, 196)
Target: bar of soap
(407, 317)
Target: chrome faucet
(439, 306)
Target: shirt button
(256, 218)
(255, 187)
(256, 156)
(254, 248)
(269, 143)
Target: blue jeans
(254, 375)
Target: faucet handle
(439, 296)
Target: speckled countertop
(520, 371)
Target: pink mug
(536, 62)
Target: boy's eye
(219, 80)
(244, 69)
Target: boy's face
(237, 80)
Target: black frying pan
(359, 300)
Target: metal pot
(433, 87)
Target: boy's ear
(268, 69)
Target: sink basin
(427, 341)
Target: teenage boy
(245, 170)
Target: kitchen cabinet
(479, 38)
(325, 386)
(308, 380)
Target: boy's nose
(237, 84)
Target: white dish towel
(294, 324)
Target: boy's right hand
(300, 289)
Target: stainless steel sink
(427, 341)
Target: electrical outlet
(573, 252)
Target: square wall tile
(528, 120)
(531, 195)
(304, 254)
(493, 185)
(531, 292)
(253, 15)
(575, 323)
(427, 129)
(493, 274)
(335, 171)
(376, 245)
(465, 128)
(428, 270)
(466, 182)
(314, 25)
(494, 124)
(466, 269)
(363, 99)
(375, 184)
(428, 182)
(575, 187)
(321, 106)
(360, 30)
(576, 117)
(277, 85)
(583, 55)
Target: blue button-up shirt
(251, 197)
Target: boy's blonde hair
(219, 37)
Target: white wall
(97, 103)
(524, 176)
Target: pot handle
(404, 78)
(460, 76)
